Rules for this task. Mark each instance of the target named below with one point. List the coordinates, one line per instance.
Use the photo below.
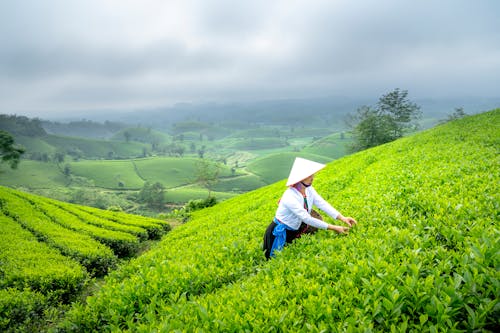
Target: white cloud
(64, 55)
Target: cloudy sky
(66, 55)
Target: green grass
(424, 256)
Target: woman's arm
(327, 208)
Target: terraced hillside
(50, 249)
(425, 256)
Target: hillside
(77, 148)
(424, 256)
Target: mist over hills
(331, 110)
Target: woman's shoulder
(311, 191)
(291, 192)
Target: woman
(295, 209)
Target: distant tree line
(21, 125)
(83, 128)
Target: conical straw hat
(302, 169)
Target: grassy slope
(424, 256)
(108, 174)
(331, 146)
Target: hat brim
(302, 169)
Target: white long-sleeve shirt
(291, 209)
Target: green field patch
(171, 171)
(34, 175)
(275, 167)
(113, 174)
(182, 195)
(239, 184)
(423, 257)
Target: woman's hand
(348, 220)
(338, 229)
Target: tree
(207, 174)
(67, 170)
(457, 114)
(370, 130)
(152, 195)
(59, 157)
(201, 152)
(400, 110)
(388, 121)
(127, 136)
(9, 151)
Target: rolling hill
(425, 255)
(82, 147)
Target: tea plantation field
(49, 251)
(424, 257)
